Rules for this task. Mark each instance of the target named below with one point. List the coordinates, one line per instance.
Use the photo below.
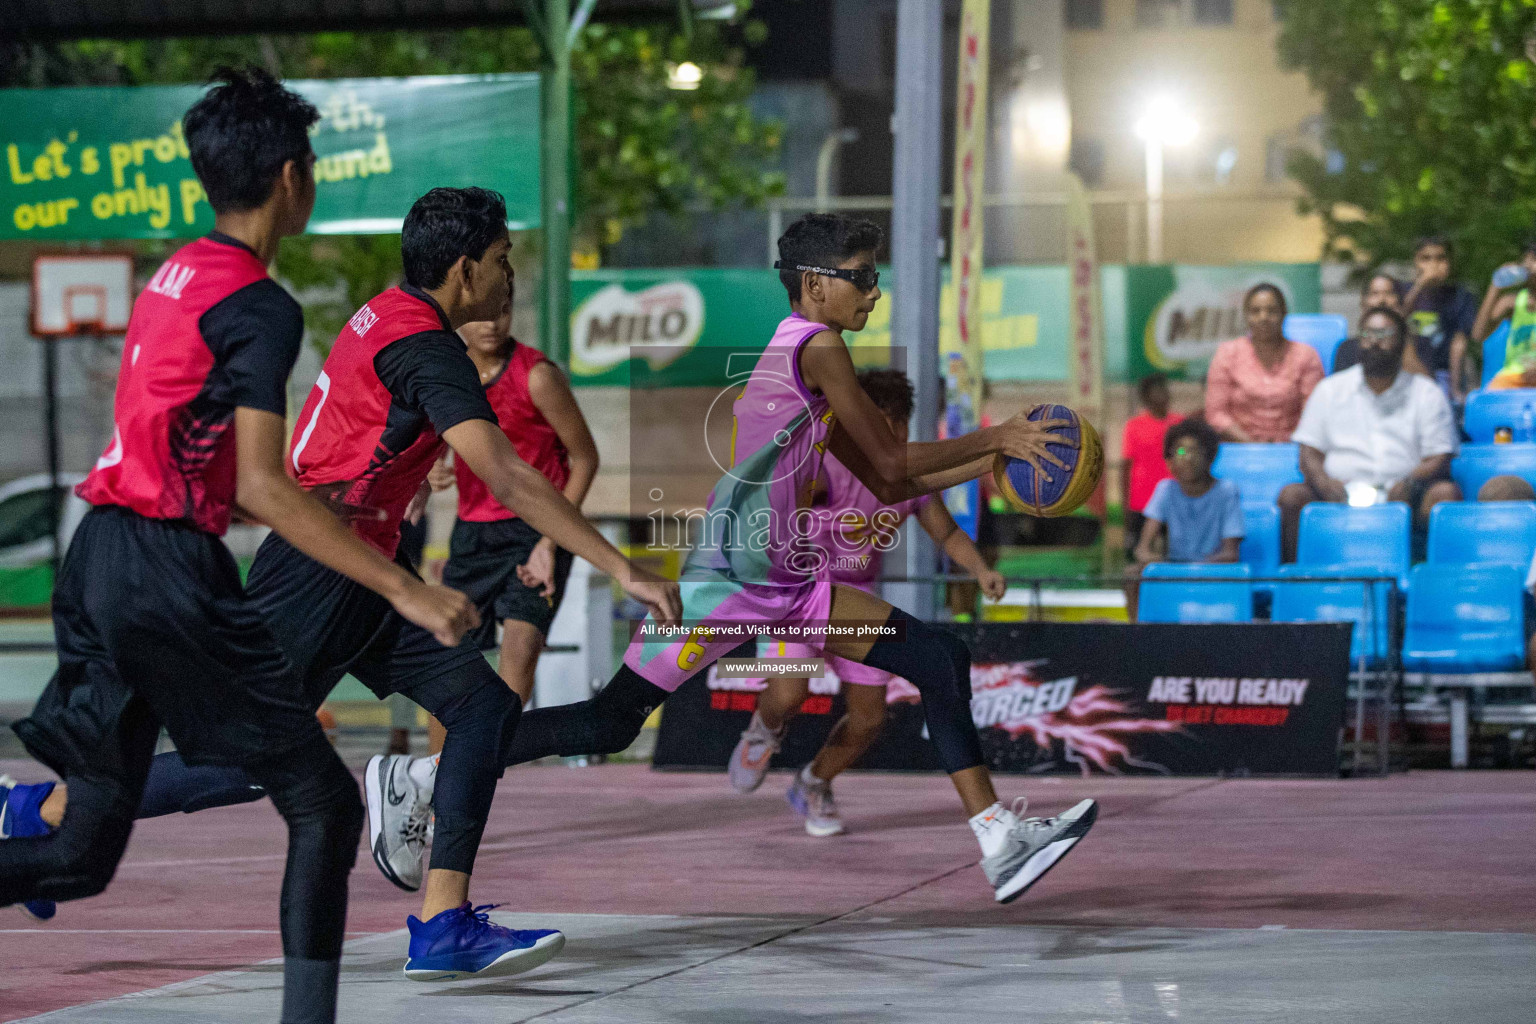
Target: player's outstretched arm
(953, 541)
(889, 464)
(268, 494)
(520, 487)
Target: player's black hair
(891, 392)
(1441, 240)
(1193, 429)
(445, 224)
(1399, 324)
(1147, 383)
(242, 132)
(823, 240)
(1529, 248)
(1370, 279)
(1273, 289)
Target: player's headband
(862, 278)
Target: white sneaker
(749, 761)
(397, 819)
(1033, 848)
(812, 800)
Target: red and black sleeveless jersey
(396, 379)
(530, 433)
(210, 332)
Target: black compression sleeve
(432, 372)
(254, 335)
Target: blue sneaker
(463, 943)
(19, 819)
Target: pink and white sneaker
(812, 800)
(749, 761)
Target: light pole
(1163, 124)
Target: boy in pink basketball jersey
(755, 571)
(856, 529)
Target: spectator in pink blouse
(1258, 384)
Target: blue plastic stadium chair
(1373, 538)
(1479, 463)
(1490, 531)
(1260, 549)
(1465, 619)
(1494, 347)
(1487, 411)
(1196, 592)
(1259, 471)
(1323, 331)
(1325, 600)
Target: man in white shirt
(1373, 427)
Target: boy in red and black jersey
(153, 626)
(515, 576)
(396, 389)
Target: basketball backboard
(81, 294)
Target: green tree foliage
(1430, 105)
(641, 147)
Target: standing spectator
(1381, 291)
(1374, 426)
(1440, 316)
(1512, 302)
(1141, 449)
(1191, 517)
(1257, 384)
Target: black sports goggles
(862, 278)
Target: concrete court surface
(1411, 898)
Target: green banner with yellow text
(105, 163)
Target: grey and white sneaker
(397, 819)
(812, 800)
(749, 761)
(1033, 848)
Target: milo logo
(657, 324)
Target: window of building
(1157, 13)
(1086, 159)
(1212, 12)
(1085, 13)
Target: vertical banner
(1086, 335)
(963, 355)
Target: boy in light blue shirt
(1193, 517)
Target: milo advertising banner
(1175, 316)
(643, 328)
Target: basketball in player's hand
(1025, 490)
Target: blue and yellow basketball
(1027, 491)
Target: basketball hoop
(73, 295)
(78, 294)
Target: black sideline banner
(1250, 699)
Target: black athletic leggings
(934, 660)
(473, 704)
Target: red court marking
(1419, 851)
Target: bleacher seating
(1494, 347)
(1260, 549)
(1487, 411)
(1337, 600)
(1323, 331)
(1196, 592)
(1259, 471)
(1496, 531)
(1374, 538)
(1465, 619)
(1476, 464)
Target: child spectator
(1440, 315)
(1192, 517)
(1141, 449)
(1513, 302)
